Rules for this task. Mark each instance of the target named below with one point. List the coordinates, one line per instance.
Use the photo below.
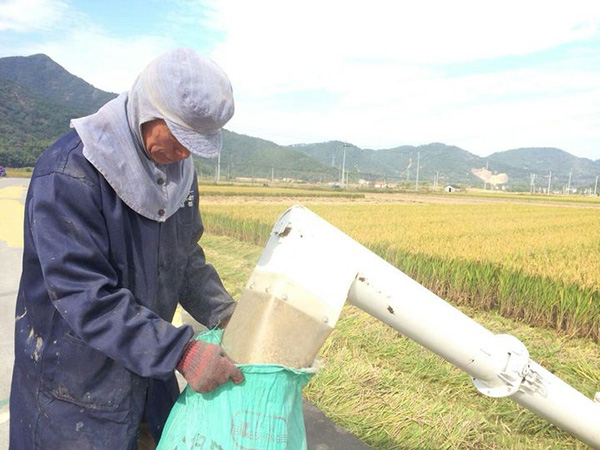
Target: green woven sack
(264, 412)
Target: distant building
(451, 189)
(380, 185)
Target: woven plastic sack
(264, 412)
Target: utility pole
(343, 168)
(569, 185)
(531, 183)
(596, 185)
(549, 181)
(418, 166)
(485, 182)
(219, 168)
(343, 176)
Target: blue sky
(484, 76)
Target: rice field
(527, 197)
(395, 395)
(507, 264)
(536, 263)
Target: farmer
(111, 231)
(2, 171)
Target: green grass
(394, 394)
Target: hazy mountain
(28, 124)
(453, 165)
(399, 165)
(248, 156)
(24, 114)
(38, 98)
(542, 161)
(43, 77)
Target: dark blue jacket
(94, 346)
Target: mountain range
(38, 98)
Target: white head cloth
(193, 95)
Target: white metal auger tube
(307, 271)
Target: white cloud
(109, 63)
(80, 44)
(480, 113)
(27, 15)
(381, 66)
(83, 45)
(385, 61)
(281, 46)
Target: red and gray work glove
(206, 366)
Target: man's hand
(206, 366)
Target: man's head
(161, 145)
(192, 98)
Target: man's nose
(182, 152)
